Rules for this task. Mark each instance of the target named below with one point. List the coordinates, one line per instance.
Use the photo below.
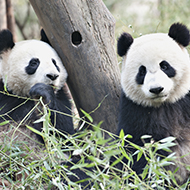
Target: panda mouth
(159, 97)
(55, 88)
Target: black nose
(156, 90)
(52, 76)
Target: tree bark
(82, 32)
(3, 18)
(10, 18)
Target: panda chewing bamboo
(32, 69)
(155, 98)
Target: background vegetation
(148, 16)
(137, 17)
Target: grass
(47, 167)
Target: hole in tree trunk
(76, 38)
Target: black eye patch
(54, 62)
(167, 69)
(141, 74)
(32, 66)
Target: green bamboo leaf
(146, 137)
(5, 84)
(47, 166)
(139, 155)
(4, 123)
(87, 116)
(121, 134)
(34, 130)
(167, 139)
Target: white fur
(13, 63)
(149, 50)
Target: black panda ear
(6, 40)
(44, 38)
(123, 44)
(180, 34)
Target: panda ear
(123, 44)
(180, 34)
(44, 38)
(6, 40)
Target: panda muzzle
(52, 76)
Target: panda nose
(156, 90)
(52, 76)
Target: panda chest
(174, 120)
(176, 123)
(182, 141)
(182, 154)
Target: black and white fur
(155, 98)
(32, 69)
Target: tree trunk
(82, 32)
(10, 18)
(3, 18)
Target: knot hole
(76, 38)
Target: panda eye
(141, 75)
(54, 62)
(167, 69)
(163, 66)
(33, 62)
(142, 70)
(32, 66)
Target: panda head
(28, 62)
(156, 67)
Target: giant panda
(155, 97)
(31, 69)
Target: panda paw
(44, 91)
